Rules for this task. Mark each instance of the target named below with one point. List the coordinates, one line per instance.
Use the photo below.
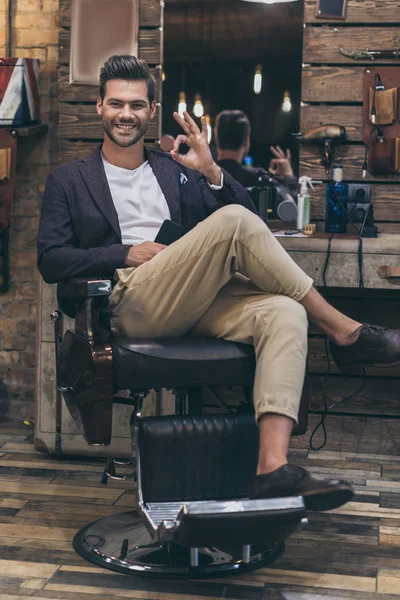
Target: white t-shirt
(138, 199)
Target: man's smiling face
(125, 111)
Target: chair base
(122, 543)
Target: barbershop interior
(199, 299)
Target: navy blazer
(79, 233)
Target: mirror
(211, 54)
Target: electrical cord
(332, 406)
(378, 86)
(328, 254)
(327, 408)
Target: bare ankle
(348, 337)
(270, 466)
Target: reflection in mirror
(236, 55)
(100, 28)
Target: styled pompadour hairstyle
(129, 68)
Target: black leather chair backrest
(206, 457)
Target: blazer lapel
(92, 170)
(167, 173)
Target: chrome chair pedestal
(122, 543)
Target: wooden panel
(332, 84)
(385, 198)
(150, 13)
(348, 116)
(350, 155)
(321, 44)
(81, 121)
(89, 93)
(150, 46)
(73, 149)
(359, 11)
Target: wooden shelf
(36, 129)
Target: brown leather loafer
(375, 347)
(290, 480)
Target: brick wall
(35, 35)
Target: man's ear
(153, 109)
(99, 106)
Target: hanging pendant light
(198, 108)
(286, 104)
(209, 129)
(182, 106)
(258, 79)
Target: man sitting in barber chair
(232, 138)
(227, 277)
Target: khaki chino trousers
(229, 278)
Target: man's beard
(125, 140)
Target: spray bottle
(303, 202)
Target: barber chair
(193, 470)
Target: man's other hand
(199, 156)
(280, 165)
(142, 253)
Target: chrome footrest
(209, 522)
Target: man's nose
(126, 112)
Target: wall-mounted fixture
(331, 9)
(99, 29)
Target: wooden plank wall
(332, 93)
(79, 127)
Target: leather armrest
(82, 287)
(73, 292)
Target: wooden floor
(353, 552)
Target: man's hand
(199, 156)
(280, 165)
(142, 253)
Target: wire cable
(328, 254)
(332, 406)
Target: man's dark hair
(232, 127)
(130, 68)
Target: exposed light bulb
(209, 129)
(286, 104)
(163, 76)
(258, 79)
(182, 106)
(198, 107)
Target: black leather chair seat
(181, 362)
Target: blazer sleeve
(232, 192)
(59, 255)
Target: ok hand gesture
(280, 165)
(199, 156)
